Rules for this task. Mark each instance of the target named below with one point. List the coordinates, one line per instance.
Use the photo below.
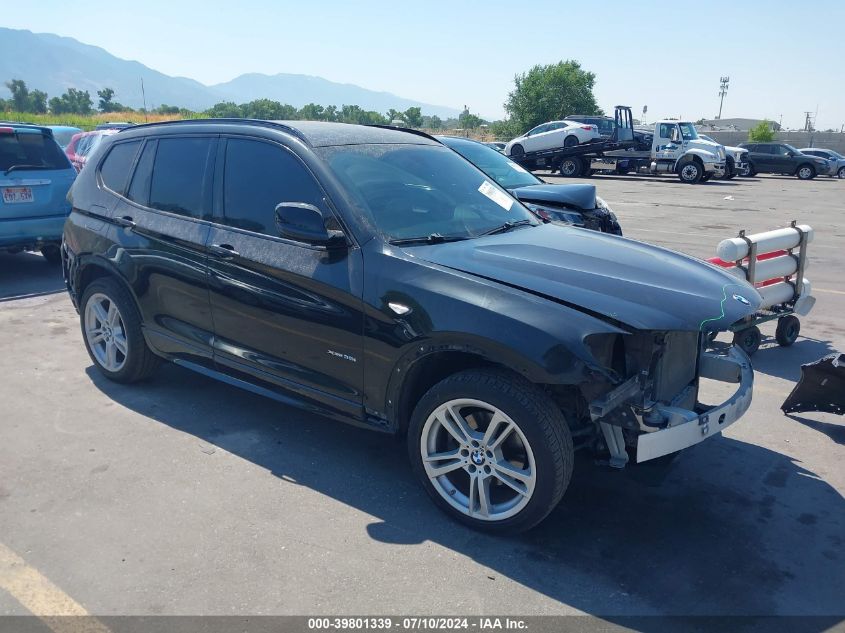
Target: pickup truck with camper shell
(376, 277)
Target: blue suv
(35, 176)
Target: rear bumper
(687, 428)
(30, 233)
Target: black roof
(314, 133)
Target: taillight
(7, 130)
(588, 127)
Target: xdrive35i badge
(343, 356)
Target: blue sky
(782, 57)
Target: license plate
(15, 195)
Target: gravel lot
(187, 496)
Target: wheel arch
(92, 268)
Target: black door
(163, 225)
(287, 315)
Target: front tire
(491, 449)
(730, 169)
(691, 172)
(111, 329)
(751, 170)
(841, 172)
(806, 172)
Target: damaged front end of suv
(647, 404)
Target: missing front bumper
(687, 428)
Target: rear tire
(571, 167)
(570, 141)
(517, 150)
(463, 464)
(111, 329)
(787, 331)
(805, 172)
(52, 254)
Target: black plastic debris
(821, 388)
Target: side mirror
(304, 223)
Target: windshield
(495, 164)
(688, 131)
(413, 191)
(30, 150)
(834, 154)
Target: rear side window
(179, 176)
(115, 169)
(258, 176)
(30, 151)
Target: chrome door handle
(126, 221)
(224, 251)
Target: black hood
(642, 286)
(578, 196)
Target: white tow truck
(676, 149)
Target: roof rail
(409, 130)
(256, 122)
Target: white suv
(552, 135)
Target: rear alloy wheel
(690, 172)
(111, 328)
(570, 141)
(517, 150)
(806, 172)
(570, 167)
(491, 449)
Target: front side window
(538, 129)
(179, 176)
(688, 131)
(410, 191)
(116, 167)
(258, 176)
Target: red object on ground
(768, 282)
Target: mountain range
(53, 63)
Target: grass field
(87, 122)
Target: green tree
(164, 109)
(504, 130)
(105, 104)
(311, 112)
(434, 123)
(20, 95)
(469, 121)
(72, 102)
(762, 132)
(394, 115)
(413, 117)
(547, 93)
(224, 110)
(37, 102)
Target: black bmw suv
(376, 277)
(780, 158)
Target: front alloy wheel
(478, 460)
(805, 172)
(491, 449)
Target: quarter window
(258, 177)
(179, 176)
(116, 167)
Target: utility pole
(144, 97)
(808, 121)
(723, 90)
